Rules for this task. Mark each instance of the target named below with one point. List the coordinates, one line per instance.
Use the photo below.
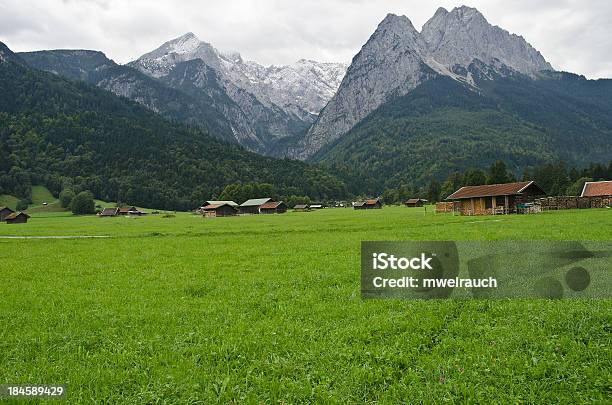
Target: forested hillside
(60, 134)
(444, 126)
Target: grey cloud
(573, 35)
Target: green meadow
(267, 309)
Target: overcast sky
(573, 35)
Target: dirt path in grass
(55, 237)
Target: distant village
(524, 197)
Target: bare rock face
(389, 65)
(273, 102)
(462, 35)
(460, 44)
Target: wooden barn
(17, 218)
(597, 189)
(109, 212)
(273, 207)
(219, 210)
(301, 207)
(368, 204)
(252, 206)
(215, 202)
(130, 211)
(415, 202)
(5, 212)
(495, 199)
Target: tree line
(554, 178)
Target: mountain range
(64, 133)
(411, 106)
(190, 80)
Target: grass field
(267, 309)
(8, 201)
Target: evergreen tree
(433, 191)
(576, 188)
(498, 174)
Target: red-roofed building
(368, 204)
(597, 189)
(493, 199)
(273, 207)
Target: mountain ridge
(448, 44)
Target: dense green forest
(444, 126)
(554, 178)
(70, 135)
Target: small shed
(219, 210)
(597, 189)
(373, 203)
(216, 202)
(415, 202)
(109, 212)
(317, 206)
(301, 207)
(130, 211)
(5, 212)
(359, 205)
(273, 207)
(252, 206)
(17, 218)
(494, 199)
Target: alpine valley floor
(267, 309)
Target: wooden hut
(415, 202)
(252, 206)
(219, 210)
(130, 211)
(5, 212)
(368, 204)
(597, 189)
(110, 212)
(273, 207)
(301, 207)
(494, 199)
(17, 218)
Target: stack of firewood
(569, 202)
(445, 206)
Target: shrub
(83, 203)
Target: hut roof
(16, 214)
(491, 190)
(109, 211)
(371, 201)
(255, 202)
(415, 200)
(2, 208)
(300, 206)
(207, 203)
(597, 188)
(271, 205)
(212, 207)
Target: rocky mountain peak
(463, 35)
(397, 58)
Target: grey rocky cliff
(274, 102)
(462, 35)
(390, 64)
(397, 58)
